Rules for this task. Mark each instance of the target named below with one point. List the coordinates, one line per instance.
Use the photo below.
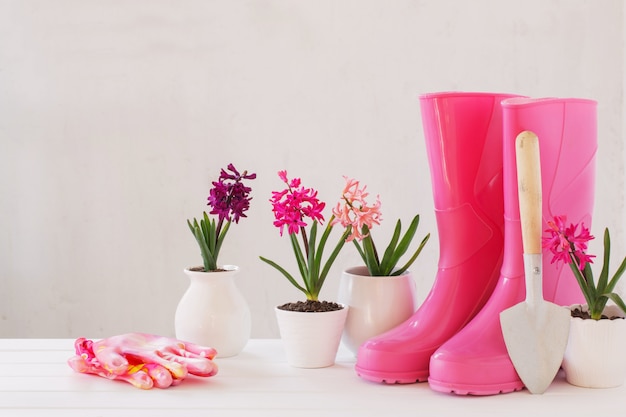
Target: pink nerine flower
(563, 241)
(294, 204)
(355, 211)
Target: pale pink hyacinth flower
(355, 211)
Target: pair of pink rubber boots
(454, 339)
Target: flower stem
(305, 240)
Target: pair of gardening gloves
(144, 360)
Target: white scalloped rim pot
(594, 357)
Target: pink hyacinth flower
(294, 204)
(563, 241)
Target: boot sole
(469, 389)
(393, 377)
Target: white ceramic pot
(311, 340)
(594, 357)
(377, 304)
(213, 312)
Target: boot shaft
(567, 132)
(463, 133)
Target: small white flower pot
(594, 357)
(311, 340)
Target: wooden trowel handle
(529, 190)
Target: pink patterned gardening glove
(143, 360)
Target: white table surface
(35, 380)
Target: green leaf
(320, 248)
(588, 276)
(403, 246)
(358, 248)
(407, 265)
(220, 240)
(204, 232)
(588, 293)
(389, 258)
(313, 266)
(208, 228)
(285, 273)
(604, 273)
(304, 271)
(617, 300)
(331, 258)
(371, 257)
(408, 236)
(207, 257)
(616, 277)
(191, 226)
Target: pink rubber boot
(463, 134)
(475, 361)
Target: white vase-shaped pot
(213, 312)
(311, 339)
(594, 357)
(376, 304)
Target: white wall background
(116, 115)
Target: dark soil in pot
(310, 306)
(579, 313)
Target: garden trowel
(535, 331)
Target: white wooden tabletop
(35, 380)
